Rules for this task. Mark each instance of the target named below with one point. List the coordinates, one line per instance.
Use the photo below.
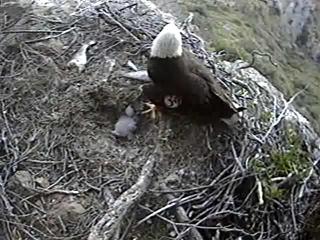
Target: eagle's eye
(172, 101)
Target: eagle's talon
(153, 109)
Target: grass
(247, 27)
(290, 160)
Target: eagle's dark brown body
(190, 80)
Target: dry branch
(110, 223)
(253, 59)
(182, 217)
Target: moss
(266, 116)
(273, 192)
(292, 159)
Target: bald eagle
(180, 82)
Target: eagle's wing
(150, 69)
(203, 95)
(155, 72)
(207, 78)
(153, 93)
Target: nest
(65, 176)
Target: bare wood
(108, 226)
(182, 215)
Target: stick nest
(62, 169)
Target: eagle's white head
(168, 42)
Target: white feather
(168, 42)
(125, 126)
(232, 120)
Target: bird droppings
(80, 58)
(139, 75)
(132, 65)
(172, 234)
(173, 179)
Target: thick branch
(111, 221)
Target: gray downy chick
(126, 124)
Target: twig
(154, 213)
(50, 37)
(305, 181)
(260, 191)
(237, 158)
(159, 216)
(293, 215)
(124, 235)
(213, 183)
(222, 228)
(129, 6)
(66, 192)
(282, 114)
(182, 215)
(31, 31)
(111, 221)
(120, 25)
(253, 53)
(173, 202)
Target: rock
(25, 179)
(43, 181)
